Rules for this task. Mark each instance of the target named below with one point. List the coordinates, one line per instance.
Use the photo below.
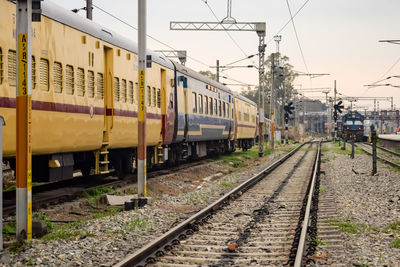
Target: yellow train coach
(84, 97)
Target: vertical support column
(261, 50)
(272, 105)
(217, 70)
(141, 168)
(352, 148)
(24, 108)
(1, 182)
(374, 138)
(334, 95)
(89, 9)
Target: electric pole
(141, 167)
(217, 70)
(89, 9)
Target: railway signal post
(374, 138)
(141, 155)
(288, 110)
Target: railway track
(68, 190)
(390, 157)
(262, 222)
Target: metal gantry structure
(181, 55)
(230, 24)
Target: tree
(208, 74)
(283, 81)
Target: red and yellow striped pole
(24, 109)
(141, 166)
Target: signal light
(286, 117)
(335, 115)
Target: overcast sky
(339, 37)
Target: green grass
(9, 228)
(43, 217)
(327, 159)
(68, 231)
(395, 243)
(225, 184)
(93, 194)
(131, 191)
(315, 240)
(109, 212)
(321, 190)
(344, 226)
(17, 247)
(393, 227)
(139, 224)
(197, 198)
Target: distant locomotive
(353, 126)
(85, 101)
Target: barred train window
(44, 74)
(219, 108)
(80, 81)
(90, 84)
(216, 107)
(154, 97)
(116, 88)
(1, 66)
(12, 68)
(69, 80)
(33, 72)
(194, 103)
(224, 109)
(57, 77)
(130, 92)
(211, 106)
(148, 96)
(100, 86)
(158, 98)
(136, 93)
(200, 104)
(205, 104)
(123, 91)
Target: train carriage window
(1, 66)
(90, 87)
(149, 96)
(219, 108)
(158, 98)
(44, 74)
(154, 97)
(122, 95)
(224, 109)
(116, 89)
(33, 72)
(136, 93)
(211, 106)
(12, 67)
(240, 115)
(194, 103)
(100, 86)
(215, 107)
(57, 77)
(232, 114)
(80, 81)
(200, 104)
(130, 92)
(253, 119)
(205, 104)
(69, 80)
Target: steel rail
(381, 158)
(302, 241)
(385, 149)
(150, 251)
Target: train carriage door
(167, 110)
(185, 93)
(108, 93)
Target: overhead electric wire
(297, 37)
(384, 75)
(287, 23)
(230, 36)
(226, 76)
(135, 28)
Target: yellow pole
(24, 109)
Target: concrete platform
(390, 140)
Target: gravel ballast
(368, 206)
(106, 241)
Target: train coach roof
(245, 99)
(200, 77)
(73, 20)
